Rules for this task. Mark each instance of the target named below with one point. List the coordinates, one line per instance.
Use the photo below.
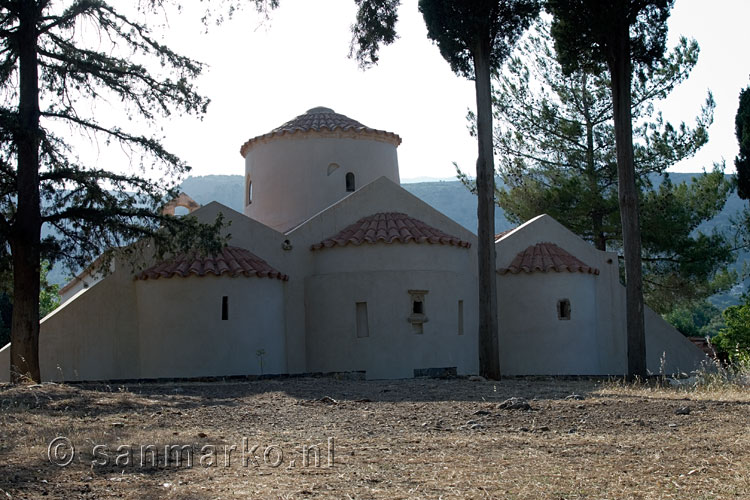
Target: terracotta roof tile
(232, 261)
(321, 120)
(389, 227)
(317, 119)
(503, 233)
(546, 257)
(90, 270)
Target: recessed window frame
(418, 316)
(563, 310)
(361, 320)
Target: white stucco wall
(662, 340)
(381, 275)
(76, 285)
(609, 344)
(182, 334)
(93, 336)
(88, 277)
(382, 195)
(607, 326)
(292, 259)
(291, 179)
(120, 328)
(296, 260)
(405, 257)
(533, 340)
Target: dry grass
(392, 439)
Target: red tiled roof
(321, 120)
(546, 257)
(390, 227)
(231, 261)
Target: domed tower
(310, 163)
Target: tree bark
(26, 231)
(621, 73)
(489, 353)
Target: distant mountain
(412, 180)
(228, 190)
(455, 201)
(450, 197)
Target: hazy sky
(264, 74)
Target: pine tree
(742, 129)
(555, 142)
(61, 65)
(626, 36)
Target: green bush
(734, 338)
(698, 320)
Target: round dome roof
(324, 121)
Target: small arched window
(249, 192)
(350, 182)
(563, 309)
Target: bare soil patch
(374, 439)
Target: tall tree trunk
(620, 70)
(600, 240)
(597, 219)
(26, 231)
(489, 353)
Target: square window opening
(417, 307)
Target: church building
(334, 267)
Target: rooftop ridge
(545, 257)
(232, 261)
(325, 121)
(389, 227)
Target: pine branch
(151, 145)
(70, 14)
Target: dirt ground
(431, 438)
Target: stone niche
(418, 317)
